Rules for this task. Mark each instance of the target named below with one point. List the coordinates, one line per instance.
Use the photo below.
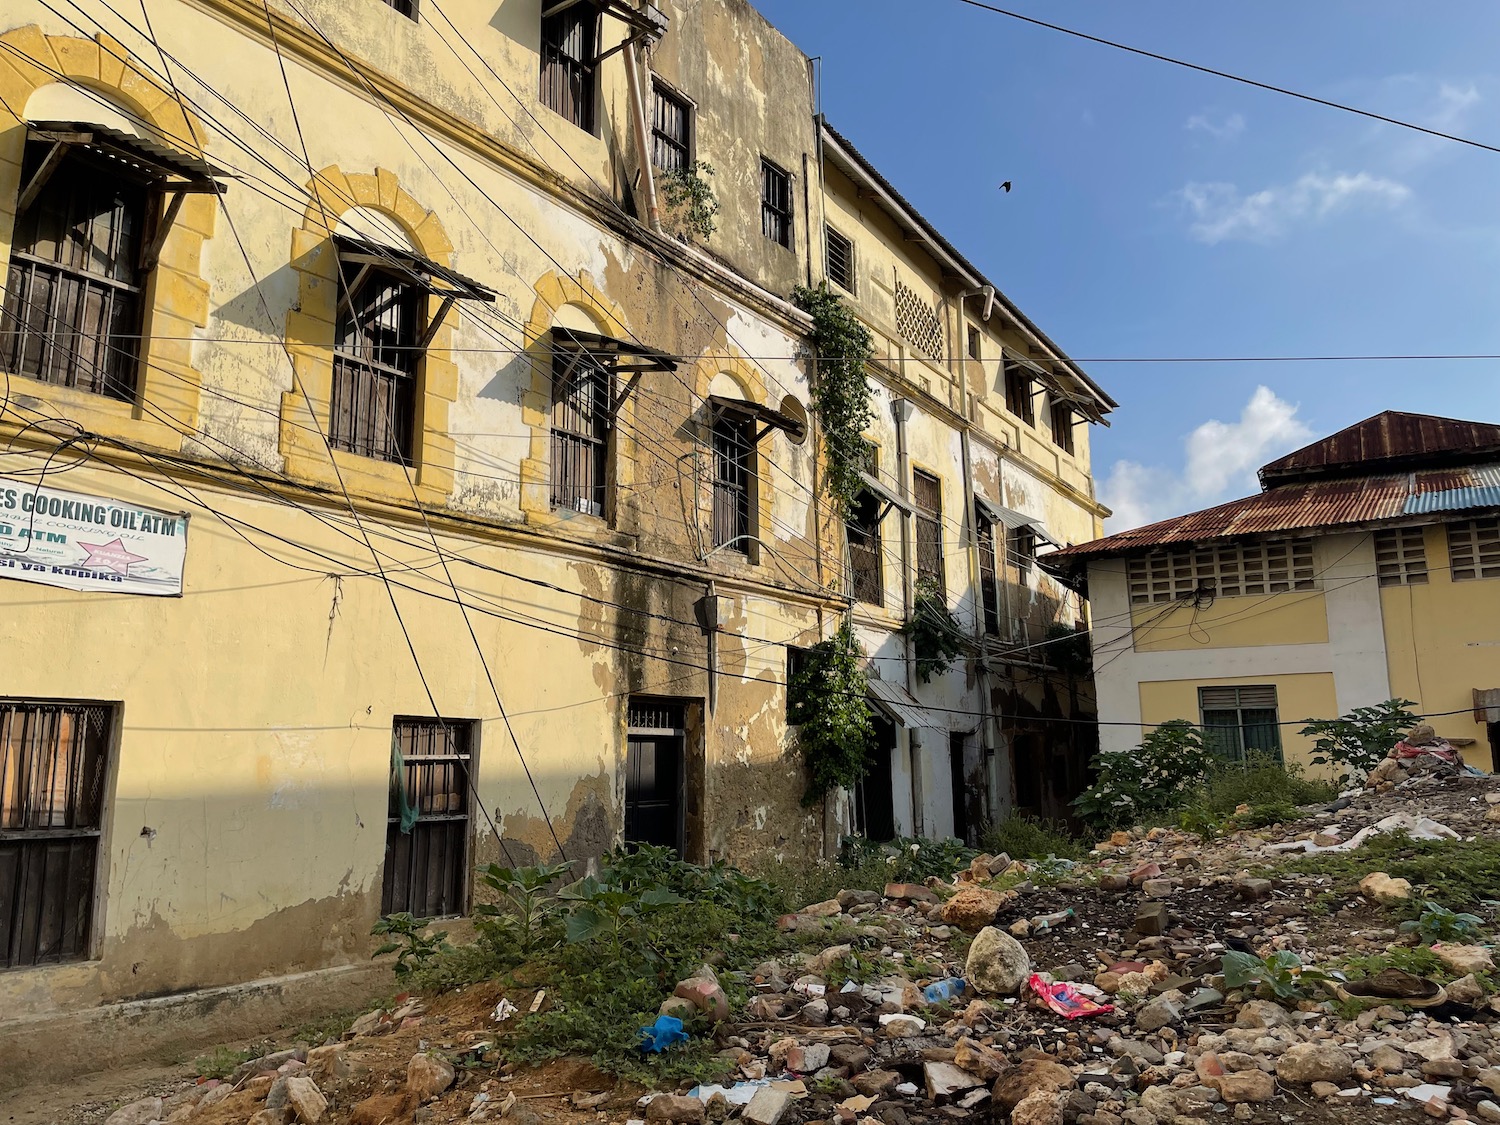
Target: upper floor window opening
(1401, 556)
(989, 572)
(570, 48)
(407, 8)
(1020, 392)
(734, 480)
(1021, 547)
(1063, 421)
(94, 209)
(1474, 549)
(840, 260)
(776, 203)
(671, 129)
(975, 345)
(862, 532)
(927, 498)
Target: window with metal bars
(1474, 549)
(1240, 722)
(1401, 556)
(582, 432)
(570, 45)
(54, 759)
(927, 499)
(866, 572)
(734, 481)
(1020, 392)
(989, 574)
(775, 203)
(407, 8)
(671, 130)
(1224, 570)
(1063, 420)
(377, 352)
(73, 298)
(1021, 547)
(427, 858)
(840, 260)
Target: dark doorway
(1495, 747)
(874, 812)
(654, 774)
(960, 786)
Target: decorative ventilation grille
(1400, 557)
(1218, 698)
(1225, 571)
(918, 323)
(1474, 549)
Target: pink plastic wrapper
(1065, 1000)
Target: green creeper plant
(1438, 923)
(934, 633)
(688, 195)
(413, 948)
(1356, 742)
(826, 702)
(840, 391)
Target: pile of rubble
(1043, 993)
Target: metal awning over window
(772, 419)
(888, 497)
(900, 706)
(412, 268)
(636, 357)
(136, 157)
(1061, 385)
(1011, 519)
(647, 21)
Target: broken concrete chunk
(136, 1113)
(767, 1107)
(945, 1079)
(1151, 919)
(427, 1077)
(1382, 888)
(306, 1100)
(677, 1109)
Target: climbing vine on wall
(934, 632)
(691, 200)
(826, 702)
(840, 391)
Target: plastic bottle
(1044, 922)
(938, 991)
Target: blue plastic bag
(660, 1035)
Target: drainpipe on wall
(638, 119)
(987, 740)
(901, 410)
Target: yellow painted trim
(176, 294)
(1296, 618)
(554, 292)
(310, 334)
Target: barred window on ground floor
(54, 763)
(1240, 722)
(1224, 570)
(427, 833)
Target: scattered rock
(1464, 959)
(307, 1101)
(142, 1112)
(909, 892)
(677, 1109)
(998, 965)
(1040, 1108)
(974, 908)
(767, 1107)
(1245, 1086)
(945, 1079)
(382, 1109)
(1151, 919)
(1382, 888)
(427, 1077)
(1314, 1062)
(1031, 1077)
(327, 1063)
(707, 996)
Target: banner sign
(89, 543)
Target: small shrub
(528, 918)
(1032, 837)
(691, 199)
(414, 949)
(827, 705)
(1356, 742)
(1438, 923)
(908, 860)
(1282, 974)
(221, 1062)
(1156, 777)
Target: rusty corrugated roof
(1290, 508)
(1384, 442)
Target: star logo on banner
(110, 556)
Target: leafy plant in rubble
(934, 632)
(688, 195)
(1356, 742)
(907, 860)
(1022, 836)
(642, 866)
(413, 948)
(840, 390)
(827, 705)
(1438, 923)
(1282, 974)
(1158, 775)
(528, 918)
(603, 911)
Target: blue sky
(1161, 212)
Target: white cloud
(1220, 212)
(1219, 462)
(1226, 130)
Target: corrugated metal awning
(1012, 519)
(888, 496)
(900, 706)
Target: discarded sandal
(1398, 985)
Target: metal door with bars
(427, 833)
(655, 774)
(54, 759)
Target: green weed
(221, 1062)
(1031, 837)
(1462, 873)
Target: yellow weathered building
(368, 399)
(1358, 574)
